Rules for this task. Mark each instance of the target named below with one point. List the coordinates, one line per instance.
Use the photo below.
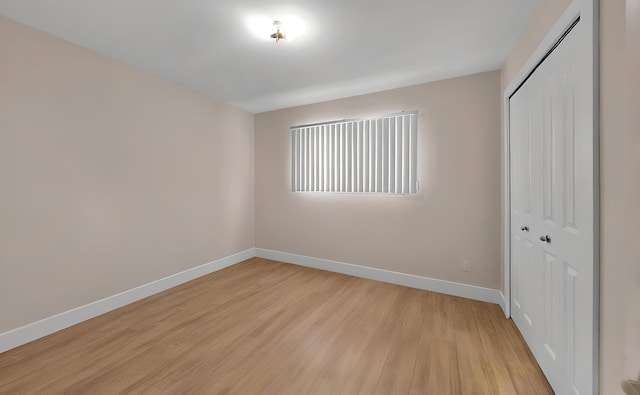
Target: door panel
(569, 289)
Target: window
(372, 155)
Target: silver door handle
(524, 228)
(545, 238)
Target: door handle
(524, 228)
(545, 239)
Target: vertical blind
(372, 155)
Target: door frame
(588, 12)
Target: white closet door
(552, 206)
(524, 208)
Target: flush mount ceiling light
(268, 28)
(277, 31)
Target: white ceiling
(350, 47)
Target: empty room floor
(273, 328)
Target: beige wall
(632, 299)
(620, 191)
(453, 217)
(615, 200)
(110, 177)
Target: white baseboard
(503, 303)
(408, 280)
(47, 326)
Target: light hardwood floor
(272, 328)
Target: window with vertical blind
(371, 155)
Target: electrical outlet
(466, 266)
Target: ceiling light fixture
(277, 31)
(268, 28)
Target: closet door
(526, 120)
(551, 174)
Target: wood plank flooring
(264, 327)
